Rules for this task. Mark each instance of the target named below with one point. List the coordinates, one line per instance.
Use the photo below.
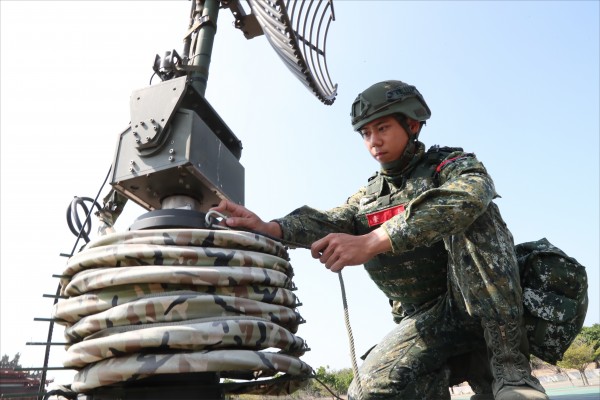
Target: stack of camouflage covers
(153, 302)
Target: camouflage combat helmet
(387, 98)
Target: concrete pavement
(558, 387)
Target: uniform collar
(395, 171)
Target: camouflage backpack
(554, 285)
(554, 297)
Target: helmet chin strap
(409, 151)
(413, 138)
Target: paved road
(563, 393)
(586, 396)
(575, 393)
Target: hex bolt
(171, 151)
(171, 158)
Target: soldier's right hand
(240, 217)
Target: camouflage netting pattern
(555, 298)
(171, 301)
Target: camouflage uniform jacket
(438, 214)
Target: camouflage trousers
(440, 342)
(418, 359)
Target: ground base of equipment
(187, 386)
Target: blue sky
(517, 83)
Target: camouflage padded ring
(143, 255)
(100, 278)
(252, 334)
(185, 294)
(140, 366)
(195, 237)
(180, 308)
(72, 309)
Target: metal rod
(46, 343)
(42, 386)
(204, 45)
(55, 296)
(24, 395)
(187, 41)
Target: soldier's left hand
(338, 250)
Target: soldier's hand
(339, 250)
(240, 217)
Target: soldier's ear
(414, 125)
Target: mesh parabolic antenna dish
(297, 30)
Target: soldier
(432, 239)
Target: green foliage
(579, 355)
(591, 334)
(337, 381)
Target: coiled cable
(79, 228)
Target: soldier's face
(385, 139)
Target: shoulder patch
(449, 161)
